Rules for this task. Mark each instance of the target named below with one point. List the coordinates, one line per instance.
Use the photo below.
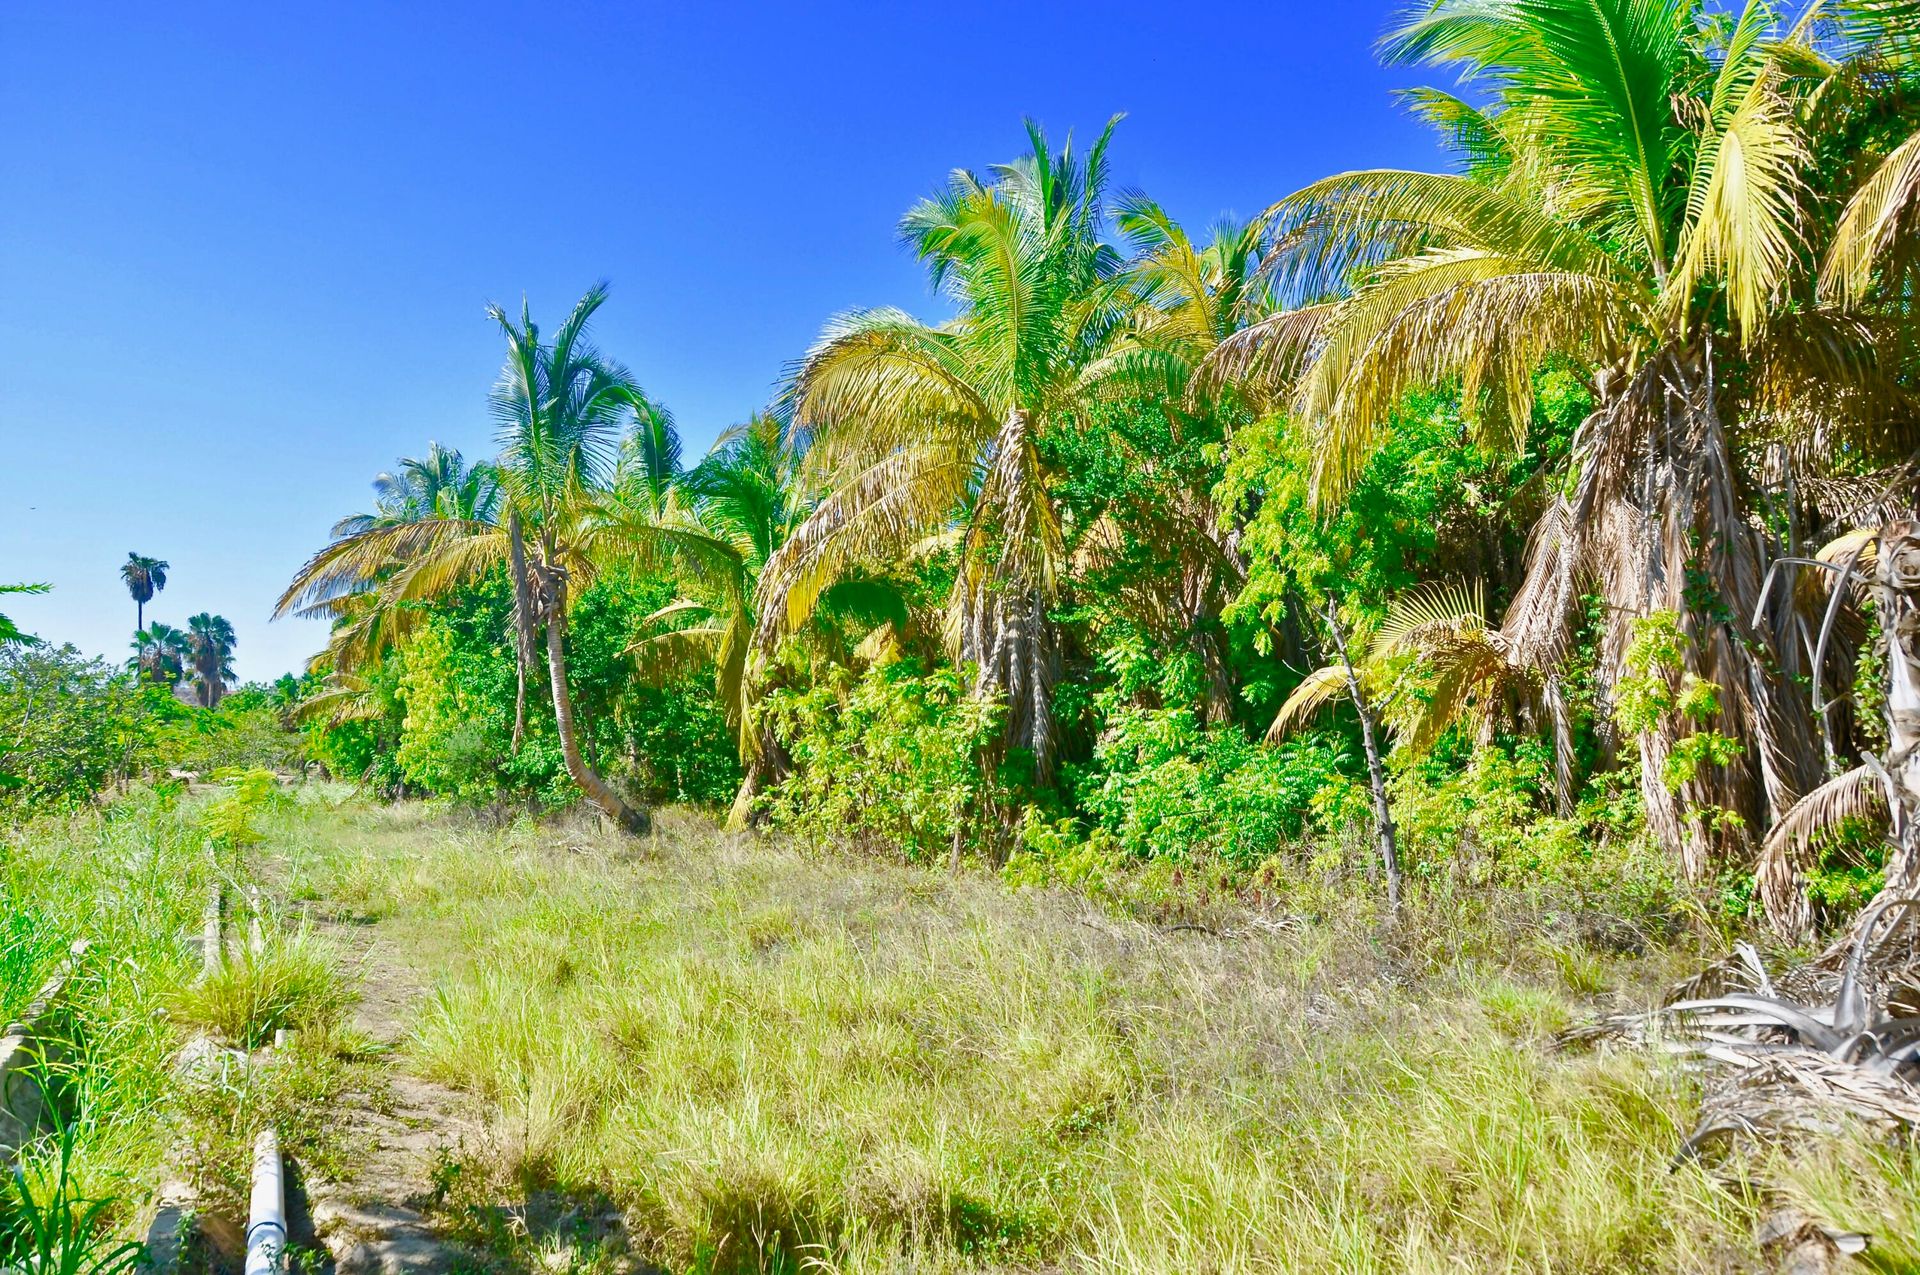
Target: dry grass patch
(772, 1062)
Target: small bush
(891, 758)
(1164, 787)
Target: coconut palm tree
(210, 641)
(144, 577)
(439, 484)
(559, 408)
(920, 430)
(717, 527)
(1635, 197)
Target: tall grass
(773, 1063)
(30, 949)
(131, 879)
(293, 982)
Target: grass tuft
(294, 982)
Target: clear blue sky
(244, 248)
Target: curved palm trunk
(582, 775)
(752, 784)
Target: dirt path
(397, 1127)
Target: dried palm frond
(1320, 688)
(1850, 1028)
(1267, 356)
(1788, 852)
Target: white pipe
(267, 1212)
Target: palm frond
(1742, 209)
(1317, 690)
(357, 563)
(1881, 215)
(1792, 844)
(662, 658)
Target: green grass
(133, 879)
(767, 1062)
(294, 982)
(30, 950)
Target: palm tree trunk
(1376, 772)
(750, 785)
(522, 625)
(583, 776)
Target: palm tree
(10, 633)
(1634, 198)
(161, 653)
(440, 483)
(211, 641)
(717, 526)
(925, 429)
(559, 407)
(144, 577)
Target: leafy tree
(144, 577)
(69, 726)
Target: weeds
(48, 1227)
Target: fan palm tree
(1636, 198)
(144, 577)
(210, 641)
(920, 430)
(559, 407)
(161, 653)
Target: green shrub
(1482, 816)
(69, 726)
(1164, 787)
(890, 758)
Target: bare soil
(398, 1128)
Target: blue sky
(244, 249)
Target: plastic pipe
(267, 1212)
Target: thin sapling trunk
(1376, 772)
